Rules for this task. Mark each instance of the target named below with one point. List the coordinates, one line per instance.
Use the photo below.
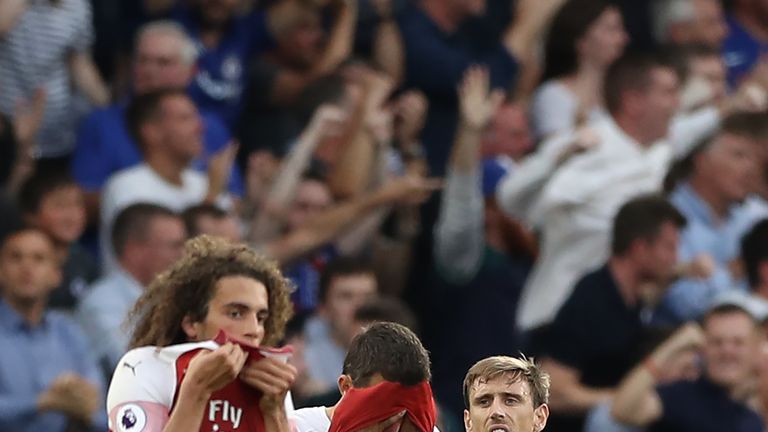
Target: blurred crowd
(583, 181)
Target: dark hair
(20, 227)
(631, 72)
(145, 108)
(38, 186)
(191, 216)
(389, 349)
(754, 251)
(571, 23)
(642, 218)
(386, 310)
(328, 89)
(188, 286)
(342, 266)
(728, 309)
(132, 224)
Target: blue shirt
(31, 359)
(435, 62)
(701, 406)
(104, 146)
(704, 233)
(103, 311)
(741, 51)
(221, 71)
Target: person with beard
(477, 251)
(596, 335)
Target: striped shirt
(34, 55)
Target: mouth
(498, 428)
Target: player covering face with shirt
(176, 377)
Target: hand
(71, 395)
(261, 170)
(688, 338)
(702, 267)
(28, 116)
(411, 113)
(273, 378)
(584, 140)
(409, 189)
(328, 121)
(220, 169)
(380, 125)
(378, 87)
(749, 97)
(212, 370)
(477, 104)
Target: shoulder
(65, 326)
(552, 91)
(312, 419)
(129, 175)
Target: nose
(497, 410)
(254, 330)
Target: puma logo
(132, 368)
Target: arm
(569, 395)
(519, 192)
(459, 235)
(87, 79)
(388, 49)
(10, 12)
(267, 224)
(351, 173)
(328, 225)
(637, 401)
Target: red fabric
(361, 408)
(235, 407)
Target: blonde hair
(518, 369)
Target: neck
(135, 271)
(31, 310)
(716, 203)
(446, 18)
(626, 277)
(167, 168)
(633, 130)
(587, 83)
(750, 21)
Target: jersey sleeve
(142, 391)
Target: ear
(467, 421)
(191, 329)
(540, 416)
(345, 383)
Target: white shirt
(575, 206)
(314, 419)
(142, 184)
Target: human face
(509, 134)
(312, 198)
(28, 267)
(62, 214)
(346, 294)
(503, 404)
(731, 347)
(604, 40)
(658, 256)
(658, 104)
(468, 8)
(158, 64)
(708, 26)
(713, 71)
(730, 167)
(216, 13)
(164, 245)
(226, 227)
(182, 128)
(239, 307)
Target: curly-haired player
(176, 377)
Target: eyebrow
(503, 394)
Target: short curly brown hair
(188, 286)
